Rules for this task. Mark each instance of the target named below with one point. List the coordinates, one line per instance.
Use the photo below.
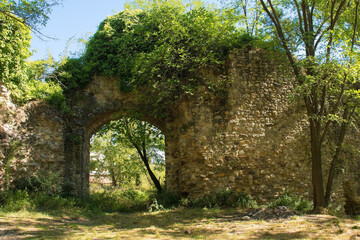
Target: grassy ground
(173, 224)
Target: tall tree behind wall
(147, 140)
(320, 40)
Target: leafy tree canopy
(162, 43)
(14, 48)
(23, 77)
(31, 13)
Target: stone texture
(31, 138)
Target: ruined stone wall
(254, 142)
(31, 139)
(252, 138)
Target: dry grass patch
(175, 224)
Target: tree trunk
(152, 175)
(137, 180)
(317, 176)
(335, 159)
(145, 160)
(113, 179)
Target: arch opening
(126, 153)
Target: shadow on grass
(292, 235)
(63, 227)
(173, 224)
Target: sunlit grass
(179, 223)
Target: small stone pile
(269, 213)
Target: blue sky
(73, 20)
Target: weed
(155, 206)
(227, 198)
(19, 200)
(295, 202)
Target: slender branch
(337, 104)
(355, 30)
(11, 15)
(333, 21)
(280, 33)
(299, 16)
(26, 24)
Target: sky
(71, 21)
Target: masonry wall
(254, 142)
(252, 138)
(31, 139)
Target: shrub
(117, 201)
(155, 206)
(226, 198)
(19, 200)
(41, 182)
(292, 201)
(45, 202)
(167, 199)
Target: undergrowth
(292, 201)
(43, 194)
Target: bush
(47, 203)
(117, 201)
(226, 198)
(41, 182)
(155, 206)
(19, 200)
(167, 199)
(292, 201)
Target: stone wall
(254, 142)
(253, 138)
(31, 139)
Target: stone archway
(210, 145)
(101, 102)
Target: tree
(319, 39)
(114, 158)
(23, 77)
(145, 138)
(162, 45)
(249, 15)
(14, 48)
(33, 13)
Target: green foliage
(295, 202)
(115, 156)
(130, 132)
(19, 200)
(29, 12)
(166, 199)
(73, 74)
(41, 182)
(14, 49)
(25, 79)
(34, 86)
(127, 146)
(155, 206)
(117, 201)
(226, 198)
(26, 200)
(163, 45)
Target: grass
(195, 223)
